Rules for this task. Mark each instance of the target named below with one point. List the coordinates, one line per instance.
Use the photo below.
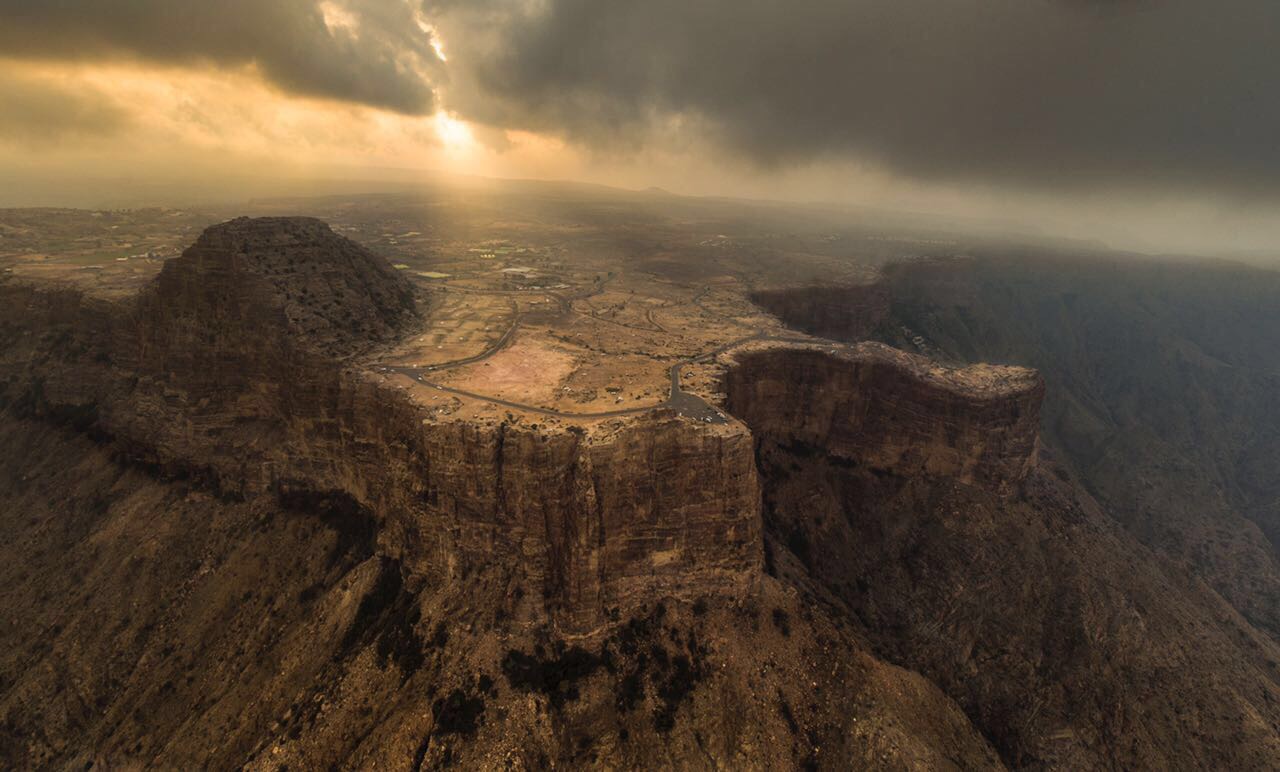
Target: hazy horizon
(1143, 124)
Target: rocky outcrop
(227, 369)
(878, 406)
(296, 280)
(849, 312)
(1068, 644)
(891, 411)
(150, 625)
(871, 569)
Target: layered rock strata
(840, 313)
(226, 369)
(239, 366)
(930, 595)
(891, 411)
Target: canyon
(239, 538)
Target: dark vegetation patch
(674, 680)
(811, 740)
(554, 676)
(644, 657)
(458, 713)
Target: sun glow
(429, 30)
(454, 134)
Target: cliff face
(227, 548)
(225, 370)
(892, 411)
(915, 495)
(228, 545)
(151, 625)
(840, 313)
(1068, 645)
(1163, 391)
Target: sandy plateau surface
(529, 370)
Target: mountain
(1163, 375)
(232, 541)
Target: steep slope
(1068, 645)
(1162, 391)
(208, 375)
(150, 623)
(839, 313)
(229, 545)
(258, 555)
(1066, 642)
(335, 296)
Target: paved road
(684, 403)
(500, 344)
(565, 307)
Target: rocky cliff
(1163, 378)
(149, 624)
(229, 368)
(891, 411)
(916, 495)
(229, 544)
(849, 312)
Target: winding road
(683, 402)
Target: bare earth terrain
(529, 476)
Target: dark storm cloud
(1048, 93)
(380, 62)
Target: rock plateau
(233, 541)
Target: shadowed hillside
(1162, 381)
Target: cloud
(1056, 95)
(373, 52)
(40, 111)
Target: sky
(1149, 124)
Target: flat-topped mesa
(891, 411)
(280, 276)
(849, 312)
(233, 368)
